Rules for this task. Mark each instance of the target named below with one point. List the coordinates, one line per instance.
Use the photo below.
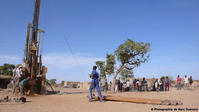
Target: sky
(80, 32)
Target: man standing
(95, 83)
(127, 85)
(179, 82)
(186, 81)
(144, 84)
(13, 80)
(190, 80)
(16, 77)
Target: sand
(75, 100)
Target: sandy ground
(75, 100)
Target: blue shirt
(95, 74)
(167, 80)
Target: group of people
(19, 80)
(140, 85)
(122, 86)
(164, 84)
(104, 84)
(161, 84)
(186, 82)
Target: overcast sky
(96, 27)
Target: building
(71, 84)
(4, 81)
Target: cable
(71, 51)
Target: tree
(52, 81)
(108, 67)
(101, 66)
(62, 83)
(130, 54)
(110, 64)
(126, 73)
(7, 69)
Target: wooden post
(139, 100)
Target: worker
(16, 77)
(13, 80)
(95, 83)
(22, 84)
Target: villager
(106, 86)
(116, 86)
(186, 81)
(144, 84)
(110, 85)
(167, 84)
(134, 84)
(119, 85)
(156, 86)
(138, 84)
(124, 86)
(190, 80)
(179, 82)
(127, 85)
(103, 84)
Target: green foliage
(126, 73)
(172, 82)
(101, 67)
(108, 67)
(163, 78)
(7, 69)
(170, 77)
(110, 63)
(52, 81)
(62, 83)
(132, 53)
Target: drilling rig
(32, 61)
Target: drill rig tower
(32, 62)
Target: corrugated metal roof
(5, 77)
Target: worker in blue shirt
(95, 83)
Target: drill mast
(32, 56)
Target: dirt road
(75, 100)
